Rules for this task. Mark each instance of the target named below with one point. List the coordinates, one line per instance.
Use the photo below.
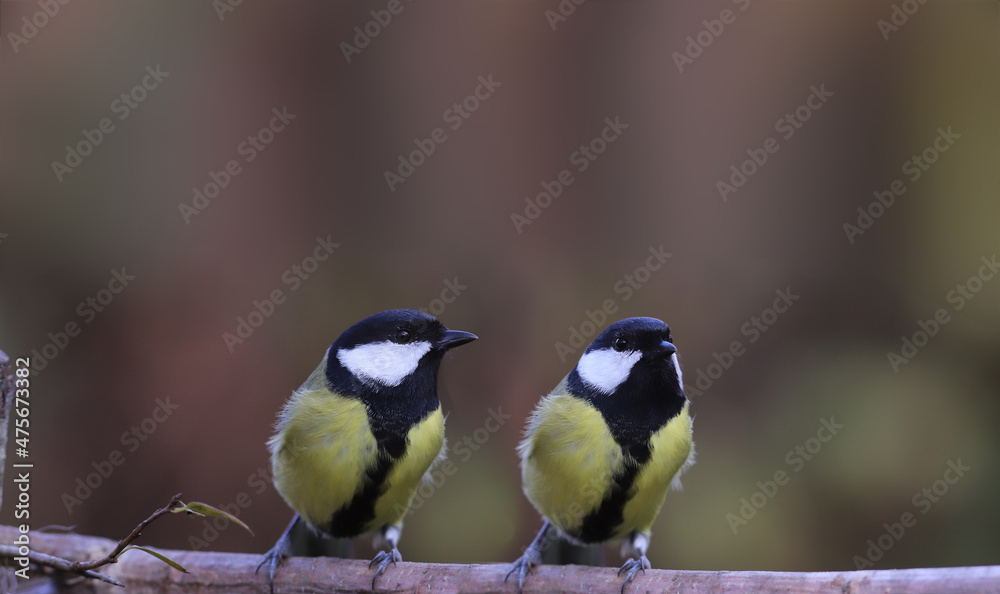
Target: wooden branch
(231, 572)
(85, 568)
(6, 402)
(57, 563)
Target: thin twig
(55, 529)
(112, 557)
(57, 563)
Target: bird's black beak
(454, 338)
(665, 348)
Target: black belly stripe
(600, 524)
(351, 520)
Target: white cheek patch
(677, 366)
(605, 369)
(385, 362)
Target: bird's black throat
(639, 407)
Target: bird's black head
(388, 349)
(631, 375)
(631, 358)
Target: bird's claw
(522, 566)
(272, 559)
(383, 559)
(633, 566)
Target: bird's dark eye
(403, 336)
(620, 344)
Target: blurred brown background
(324, 175)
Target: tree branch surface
(234, 572)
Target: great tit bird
(602, 449)
(353, 442)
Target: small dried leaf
(203, 509)
(159, 556)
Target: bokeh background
(450, 221)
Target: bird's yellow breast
(569, 457)
(324, 445)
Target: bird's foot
(383, 559)
(278, 553)
(273, 559)
(633, 566)
(523, 566)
